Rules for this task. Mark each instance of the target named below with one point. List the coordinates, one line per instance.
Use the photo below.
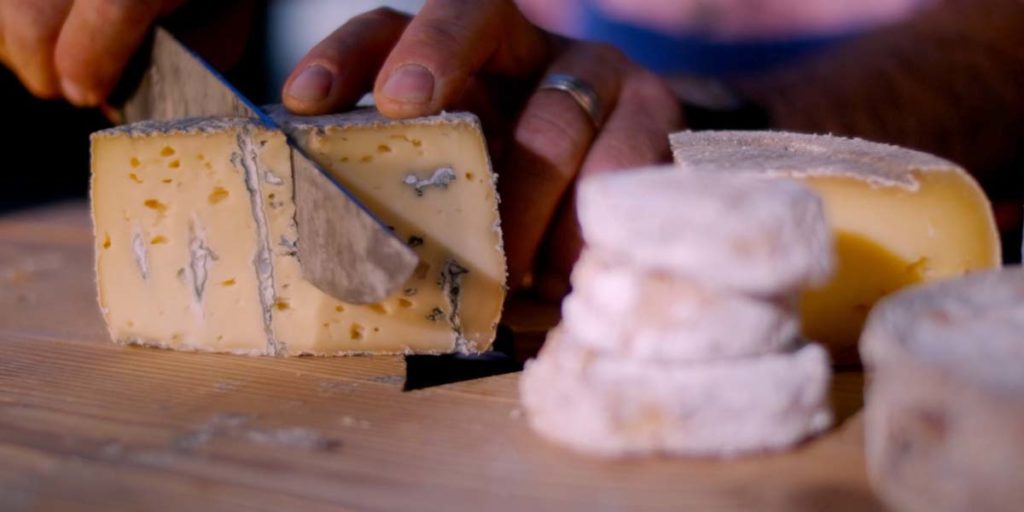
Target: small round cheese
(944, 414)
(620, 311)
(612, 406)
(741, 232)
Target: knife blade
(344, 250)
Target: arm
(947, 81)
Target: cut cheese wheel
(619, 311)
(944, 413)
(611, 406)
(899, 216)
(195, 236)
(753, 236)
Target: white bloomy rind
(750, 235)
(944, 414)
(611, 406)
(620, 311)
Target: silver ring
(581, 92)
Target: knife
(344, 250)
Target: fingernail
(75, 94)
(313, 84)
(410, 83)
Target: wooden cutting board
(89, 425)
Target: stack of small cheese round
(681, 334)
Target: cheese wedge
(899, 216)
(746, 235)
(944, 413)
(195, 235)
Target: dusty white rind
(366, 117)
(611, 406)
(798, 154)
(762, 237)
(944, 414)
(621, 311)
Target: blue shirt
(692, 54)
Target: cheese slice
(899, 216)
(195, 235)
(945, 405)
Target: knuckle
(440, 38)
(550, 134)
(608, 54)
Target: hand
(74, 49)
(484, 56)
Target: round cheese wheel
(944, 413)
(611, 406)
(618, 310)
(741, 232)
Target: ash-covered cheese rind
(899, 216)
(753, 236)
(945, 401)
(196, 238)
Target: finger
(97, 41)
(30, 30)
(635, 135)
(448, 42)
(342, 67)
(550, 140)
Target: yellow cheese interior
(156, 202)
(888, 237)
(450, 227)
(207, 203)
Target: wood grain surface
(89, 425)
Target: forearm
(949, 81)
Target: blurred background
(691, 38)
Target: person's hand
(484, 56)
(74, 49)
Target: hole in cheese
(153, 204)
(174, 164)
(356, 332)
(167, 151)
(217, 195)
(366, 158)
(228, 282)
(159, 239)
(167, 180)
(106, 240)
(134, 177)
(383, 148)
(379, 308)
(404, 303)
(135, 162)
(281, 305)
(339, 308)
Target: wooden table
(89, 425)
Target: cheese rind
(752, 236)
(620, 311)
(203, 213)
(945, 401)
(612, 406)
(899, 216)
